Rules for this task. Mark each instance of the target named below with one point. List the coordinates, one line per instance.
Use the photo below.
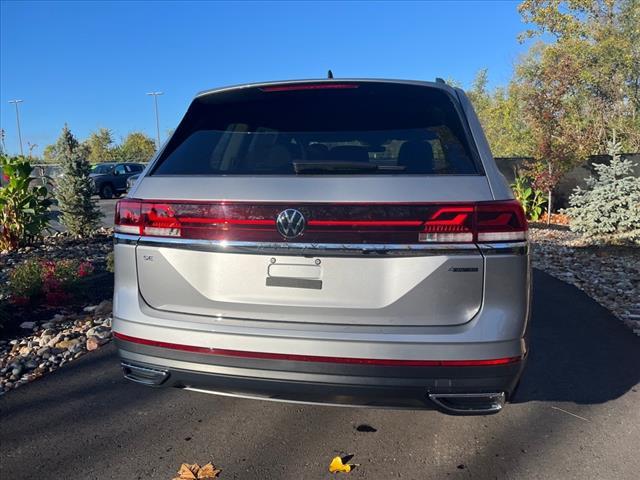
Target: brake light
(313, 86)
(502, 221)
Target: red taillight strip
(231, 221)
(319, 359)
(365, 223)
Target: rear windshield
(367, 128)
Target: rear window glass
(368, 129)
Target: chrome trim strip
(504, 248)
(125, 238)
(284, 248)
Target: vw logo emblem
(290, 223)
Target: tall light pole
(155, 100)
(16, 102)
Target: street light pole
(155, 99)
(16, 102)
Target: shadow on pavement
(579, 352)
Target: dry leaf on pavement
(196, 472)
(208, 471)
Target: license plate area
(295, 274)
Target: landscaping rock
(100, 332)
(65, 338)
(93, 343)
(28, 325)
(104, 308)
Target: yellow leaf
(208, 471)
(336, 465)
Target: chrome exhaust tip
(469, 403)
(144, 375)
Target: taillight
(127, 218)
(502, 221)
(452, 224)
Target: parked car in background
(334, 241)
(131, 181)
(110, 179)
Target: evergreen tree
(79, 212)
(610, 203)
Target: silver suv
(331, 241)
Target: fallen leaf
(208, 471)
(196, 472)
(188, 472)
(336, 465)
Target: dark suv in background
(111, 178)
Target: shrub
(25, 282)
(79, 212)
(532, 200)
(24, 207)
(610, 203)
(110, 263)
(57, 281)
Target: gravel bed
(61, 246)
(609, 274)
(47, 345)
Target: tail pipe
(144, 375)
(469, 403)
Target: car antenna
(329, 74)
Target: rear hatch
(355, 203)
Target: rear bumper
(453, 389)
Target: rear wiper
(309, 167)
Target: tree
(610, 203)
(136, 147)
(54, 152)
(100, 146)
(502, 117)
(79, 212)
(590, 71)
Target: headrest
(349, 153)
(416, 157)
(318, 151)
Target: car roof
(440, 84)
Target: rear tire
(106, 191)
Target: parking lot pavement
(576, 416)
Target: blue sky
(90, 63)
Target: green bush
(110, 263)
(532, 200)
(25, 282)
(55, 281)
(24, 207)
(610, 203)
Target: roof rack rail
(440, 80)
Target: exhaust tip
(469, 403)
(144, 375)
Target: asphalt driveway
(576, 416)
(107, 208)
